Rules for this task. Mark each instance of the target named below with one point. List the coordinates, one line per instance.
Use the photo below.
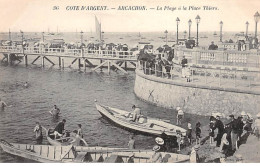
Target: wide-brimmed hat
(178, 108)
(243, 113)
(180, 112)
(250, 116)
(159, 140)
(258, 115)
(156, 148)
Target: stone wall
(194, 100)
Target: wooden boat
(149, 125)
(60, 141)
(58, 154)
(57, 142)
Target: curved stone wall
(194, 100)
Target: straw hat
(243, 113)
(159, 140)
(258, 115)
(156, 148)
(180, 112)
(178, 108)
(250, 116)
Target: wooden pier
(107, 58)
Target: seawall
(201, 100)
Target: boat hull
(133, 126)
(58, 154)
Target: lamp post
(177, 21)
(22, 40)
(43, 37)
(189, 22)
(247, 23)
(166, 37)
(81, 37)
(197, 21)
(9, 35)
(220, 33)
(256, 17)
(102, 36)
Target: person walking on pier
(55, 111)
(38, 133)
(180, 115)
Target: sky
(38, 15)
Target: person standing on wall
(184, 64)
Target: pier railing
(111, 54)
(200, 76)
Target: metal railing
(212, 77)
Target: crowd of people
(227, 137)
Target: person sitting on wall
(213, 46)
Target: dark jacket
(219, 124)
(184, 62)
(59, 128)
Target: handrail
(205, 75)
(74, 52)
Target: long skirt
(234, 138)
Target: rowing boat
(75, 154)
(57, 142)
(145, 125)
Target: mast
(9, 35)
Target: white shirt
(189, 126)
(180, 112)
